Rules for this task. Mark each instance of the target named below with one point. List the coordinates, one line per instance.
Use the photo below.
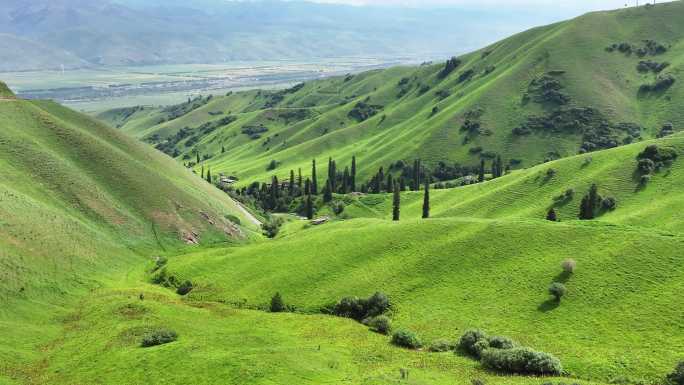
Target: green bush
(159, 337)
(184, 288)
(469, 339)
(557, 290)
(646, 166)
(501, 342)
(277, 304)
(440, 346)
(609, 203)
(521, 360)
(360, 308)
(406, 339)
(677, 376)
(380, 324)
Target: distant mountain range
(46, 34)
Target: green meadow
(108, 245)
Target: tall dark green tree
(346, 181)
(300, 181)
(198, 158)
(307, 187)
(590, 204)
(426, 200)
(209, 175)
(415, 186)
(402, 183)
(291, 187)
(390, 183)
(333, 176)
(314, 179)
(309, 207)
(202, 171)
(396, 203)
(327, 192)
(353, 174)
(481, 173)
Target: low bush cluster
(379, 324)
(361, 308)
(502, 354)
(677, 376)
(158, 337)
(441, 346)
(521, 360)
(662, 83)
(406, 339)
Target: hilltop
(529, 98)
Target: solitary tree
(202, 171)
(209, 175)
(590, 204)
(426, 200)
(292, 183)
(557, 290)
(198, 158)
(415, 186)
(396, 203)
(277, 304)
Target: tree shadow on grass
(548, 305)
(563, 277)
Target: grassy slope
(406, 127)
(80, 203)
(487, 259)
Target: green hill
(80, 204)
(5, 92)
(532, 97)
(486, 260)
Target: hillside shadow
(548, 305)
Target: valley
(508, 216)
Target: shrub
(469, 339)
(569, 265)
(272, 165)
(159, 337)
(550, 173)
(406, 339)
(380, 324)
(677, 376)
(271, 227)
(643, 181)
(557, 290)
(480, 346)
(646, 166)
(441, 346)
(277, 304)
(184, 288)
(501, 342)
(521, 360)
(359, 308)
(609, 203)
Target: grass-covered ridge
(5, 92)
(79, 205)
(529, 98)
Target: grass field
(88, 213)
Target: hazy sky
(569, 5)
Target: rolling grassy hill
(79, 204)
(486, 259)
(532, 97)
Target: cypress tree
(590, 203)
(499, 168)
(390, 183)
(202, 171)
(396, 202)
(209, 175)
(353, 174)
(292, 183)
(198, 159)
(327, 192)
(426, 200)
(402, 184)
(299, 181)
(223, 149)
(333, 176)
(314, 179)
(346, 182)
(381, 180)
(309, 207)
(552, 215)
(481, 175)
(307, 187)
(416, 175)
